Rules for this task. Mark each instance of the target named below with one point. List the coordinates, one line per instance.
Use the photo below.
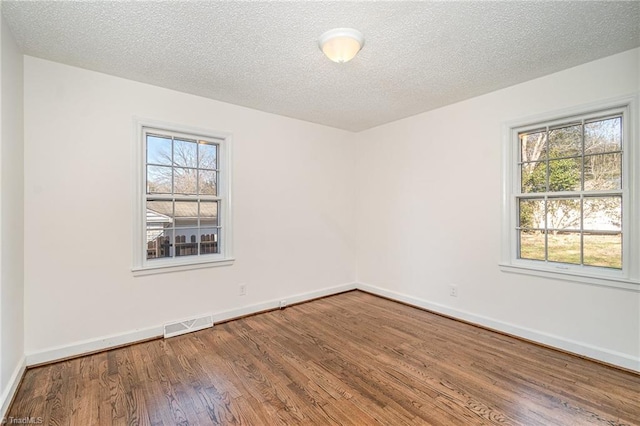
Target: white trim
(569, 275)
(225, 179)
(61, 352)
(104, 343)
(12, 386)
(189, 266)
(629, 277)
(579, 348)
(275, 303)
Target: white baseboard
(298, 298)
(112, 341)
(92, 345)
(579, 348)
(12, 387)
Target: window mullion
(546, 228)
(546, 161)
(582, 229)
(582, 189)
(197, 168)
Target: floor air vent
(187, 326)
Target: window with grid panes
(185, 200)
(570, 200)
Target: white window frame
(142, 266)
(629, 276)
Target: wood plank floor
(350, 359)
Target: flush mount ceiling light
(341, 44)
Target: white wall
(294, 185)
(11, 217)
(429, 215)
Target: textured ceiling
(264, 55)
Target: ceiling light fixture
(341, 44)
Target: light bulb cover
(341, 44)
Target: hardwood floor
(350, 359)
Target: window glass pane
(563, 247)
(603, 213)
(533, 146)
(186, 214)
(565, 174)
(208, 155)
(207, 182)
(603, 136)
(565, 142)
(160, 212)
(158, 150)
(563, 214)
(184, 180)
(159, 243)
(531, 213)
(158, 180)
(532, 245)
(185, 153)
(186, 242)
(603, 250)
(209, 213)
(534, 177)
(603, 172)
(209, 241)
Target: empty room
(320, 212)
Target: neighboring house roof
(155, 217)
(163, 213)
(185, 209)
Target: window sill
(179, 267)
(603, 280)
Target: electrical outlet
(283, 304)
(453, 291)
(242, 289)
